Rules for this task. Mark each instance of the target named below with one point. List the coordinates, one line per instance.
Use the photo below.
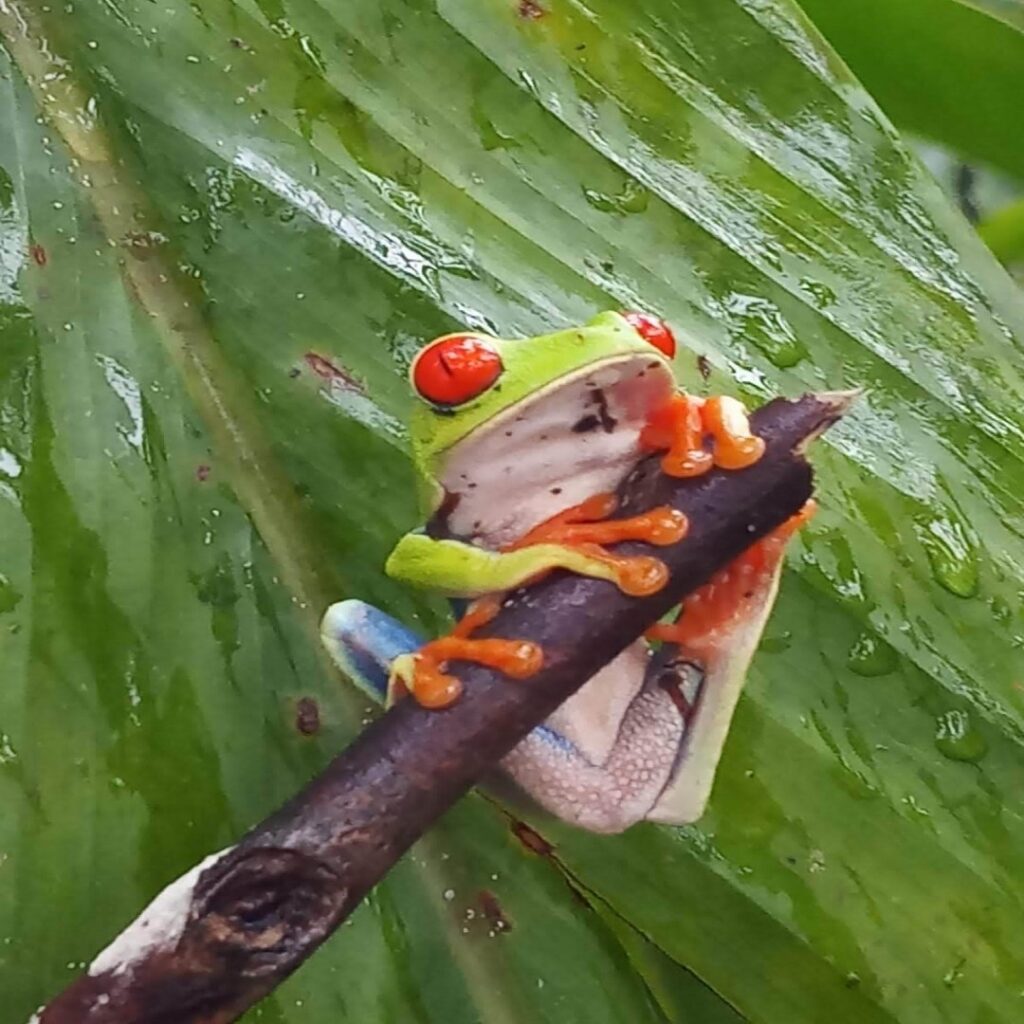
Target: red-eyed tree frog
(520, 446)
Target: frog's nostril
(653, 330)
(455, 368)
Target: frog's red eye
(653, 330)
(456, 368)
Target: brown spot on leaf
(326, 370)
(532, 840)
(531, 10)
(307, 716)
(704, 366)
(491, 909)
(38, 254)
(202, 473)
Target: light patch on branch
(159, 926)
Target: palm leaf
(224, 228)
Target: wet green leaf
(1003, 232)
(947, 69)
(225, 228)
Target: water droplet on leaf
(957, 738)
(871, 656)
(763, 325)
(951, 553)
(822, 294)
(777, 642)
(631, 198)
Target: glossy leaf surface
(951, 70)
(225, 228)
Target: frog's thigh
(363, 641)
(603, 759)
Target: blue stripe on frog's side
(363, 641)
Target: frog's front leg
(680, 427)
(575, 540)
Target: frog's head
(582, 392)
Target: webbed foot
(587, 529)
(681, 426)
(423, 673)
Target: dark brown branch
(226, 935)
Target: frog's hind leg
(642, 739)
(715, 638)
(603, 759)
(363, 642)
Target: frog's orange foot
(682, 425)
(586, 528)
(716, 607)
(433, 687)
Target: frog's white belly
(571, 442)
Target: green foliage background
(224, 229)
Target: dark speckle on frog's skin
(607, 420)
(586, 424)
